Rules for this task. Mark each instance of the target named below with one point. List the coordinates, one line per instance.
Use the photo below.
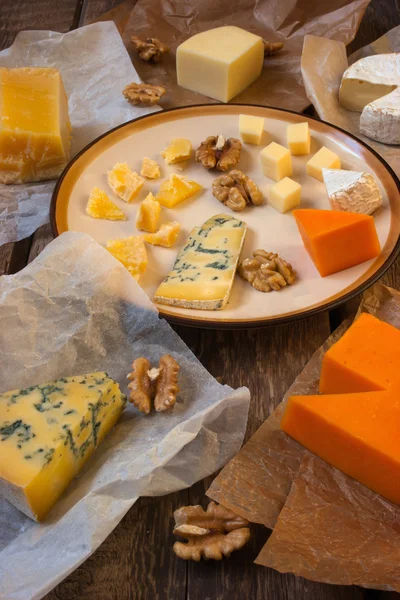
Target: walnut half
(236, 190)
(149, 49)
(219, 153)
(272, 47)
(143, 93)
(212, 533)
(267, 271)
(154, 384)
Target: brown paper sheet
(280, 83)
(323, 63)
(327, 526)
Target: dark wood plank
(380, 17)
(95, 8)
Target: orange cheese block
(366, 358)
(337, 240)
(355, 425)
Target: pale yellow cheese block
(323, 159)
(35, 129)
(285, 195)
(148, 214)
(251, 129)
(276, 161)
(298, 138)
(220, 62)
(48, 432)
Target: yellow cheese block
(220, 62)
(251, 129)
(148, 214)
(35, 128)
(204, 270)
(166, 236)
(276, 161)
(150, 169)
(131, 252)
(298, 138)
(99, 206)
(178, 150)
(285, 194)
(323, 159)
(48, 432)
(176, 189)
(124, 182)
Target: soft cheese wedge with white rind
(352, 191)
(368, 79)
(204, 270)
(48, 432)
(380, 120)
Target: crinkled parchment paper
(95, 68)
(326, 526)
(74, 310)
(280, 83)
(323, 63)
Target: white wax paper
(95, 68)
(323, 63)
(75, 310)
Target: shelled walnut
(158, 385)
(267, 271)
(236, 190)
(143, 93)
(219, 153)
(272, 47)
(149, 49)
(212, 533)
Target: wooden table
(136, 561)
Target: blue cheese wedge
(48, 432)
(204, 270)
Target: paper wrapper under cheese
(323, 63)
(76, 310)
(327, 526)
(280, 83)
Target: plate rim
(257, 323)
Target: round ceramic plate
(267, 229)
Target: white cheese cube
(276, 161)
(220, 62)
(298, 138)
(285, 195)
(323, 159)
(251, 129)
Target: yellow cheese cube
(34, 125)
(47, 434)
(323, 159)
(220, 62)
(148, 214)
(285, 194)
(131, 252)
(298, 138)
(99, 206)
(166, 236)
(150, 169)
(124, 182)
(177, 151)
(276, 161)
(176, 189)
(251, 129)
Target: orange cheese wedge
(355, 425)
(337, 240)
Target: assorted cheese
(251, 129)
(220, 62)
(204, 270)
(285, 194)
(150, 169)
(35, 130)
(355, 424)
(276, 161)
(337, 240)
(323, 159)
(99, 206)
(126, 184)
(166, 236)
(372, 86)
(47, 434)
(176, 189)
(131, 252)
(178, 150)
(298, 138)
(148, 214)
(352, 191)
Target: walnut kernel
(154, 384)
(267, 271)
(272, 47)
(143, 93)
(216, 152)
(236, 190)
(149, 49)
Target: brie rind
(380, 120)
(352, 191)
